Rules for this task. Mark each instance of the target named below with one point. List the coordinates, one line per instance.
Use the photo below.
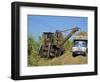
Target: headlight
(84, 49)
(74, 49)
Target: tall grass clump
(33, 46)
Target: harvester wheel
(41, 51)
(58, 53)
(49, 47)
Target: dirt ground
(65, 59)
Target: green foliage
(68, 45)
(31, 42)
(32, 51)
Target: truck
(80, 46)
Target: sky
(37, 24)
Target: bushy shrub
(32, 51)
(68, 45)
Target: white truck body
(80, 45)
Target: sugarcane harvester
(53, 43)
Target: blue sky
(37, 24)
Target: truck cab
(79, 46)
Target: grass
(65, 59)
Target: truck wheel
(74, 55)
(84, 54)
